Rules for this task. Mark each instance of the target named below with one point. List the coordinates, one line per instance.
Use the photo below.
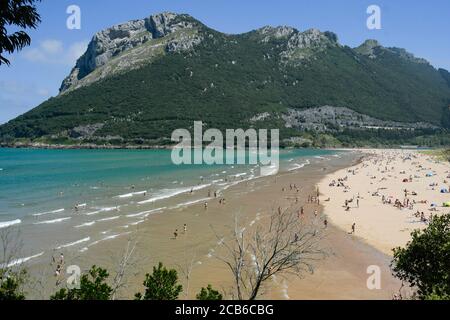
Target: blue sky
(36, 73)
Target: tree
(10, 286)
(93, 286)
(280, 246)
(425, 261)
(209, 294)
(20, 13)
(161, 285)
(12, 274)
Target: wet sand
(343, 275)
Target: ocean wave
(137, 222)
(53, 221)
(103, 210)
(108, 219)
(169, 193)
(132, 194)
(239, 175)
(111, 237)
(73, 243)
(145, 213)
(7, 224)
(48, 212)
(87, 224)
(188, 203)
(298, 166)
(269, 170)
(21, 260)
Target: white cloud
(19, 97)
(53, 51)
(52, 46)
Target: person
(185, 228)
(353, 228)
(61, 259)
(175, 234)
(315, 213)
(206, 205)
(357, 202)
(325, 223)
(302, 211)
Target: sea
(59, 199)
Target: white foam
(189, 203)
(22, 260)
(137, 222)
(103, 210)
(73, 243)
(132, 194)
(169, 193)
(53, 221)
(48, 212)
(269, 170)
(87, 224)
(114, 236)
(298, 166)
(9, 223)
(239, 175)
(144, 213)
(109, 219)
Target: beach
(389, 194)
(342, 275)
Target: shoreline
(345, 270)
(387, 193)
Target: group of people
(59, 267)
(175, 234)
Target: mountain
(139, 81)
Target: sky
(36, 73)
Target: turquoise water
(39, 189)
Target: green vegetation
(18, 15)
(93, 286)
(209, 294)
(11, 285)
(228, 79)
(425, 262)
(161, 285)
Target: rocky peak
(372, 49)
(269, 32)
(303, 45)
(109, 43)
(368, 48)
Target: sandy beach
(342, 275)
(387, 196)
